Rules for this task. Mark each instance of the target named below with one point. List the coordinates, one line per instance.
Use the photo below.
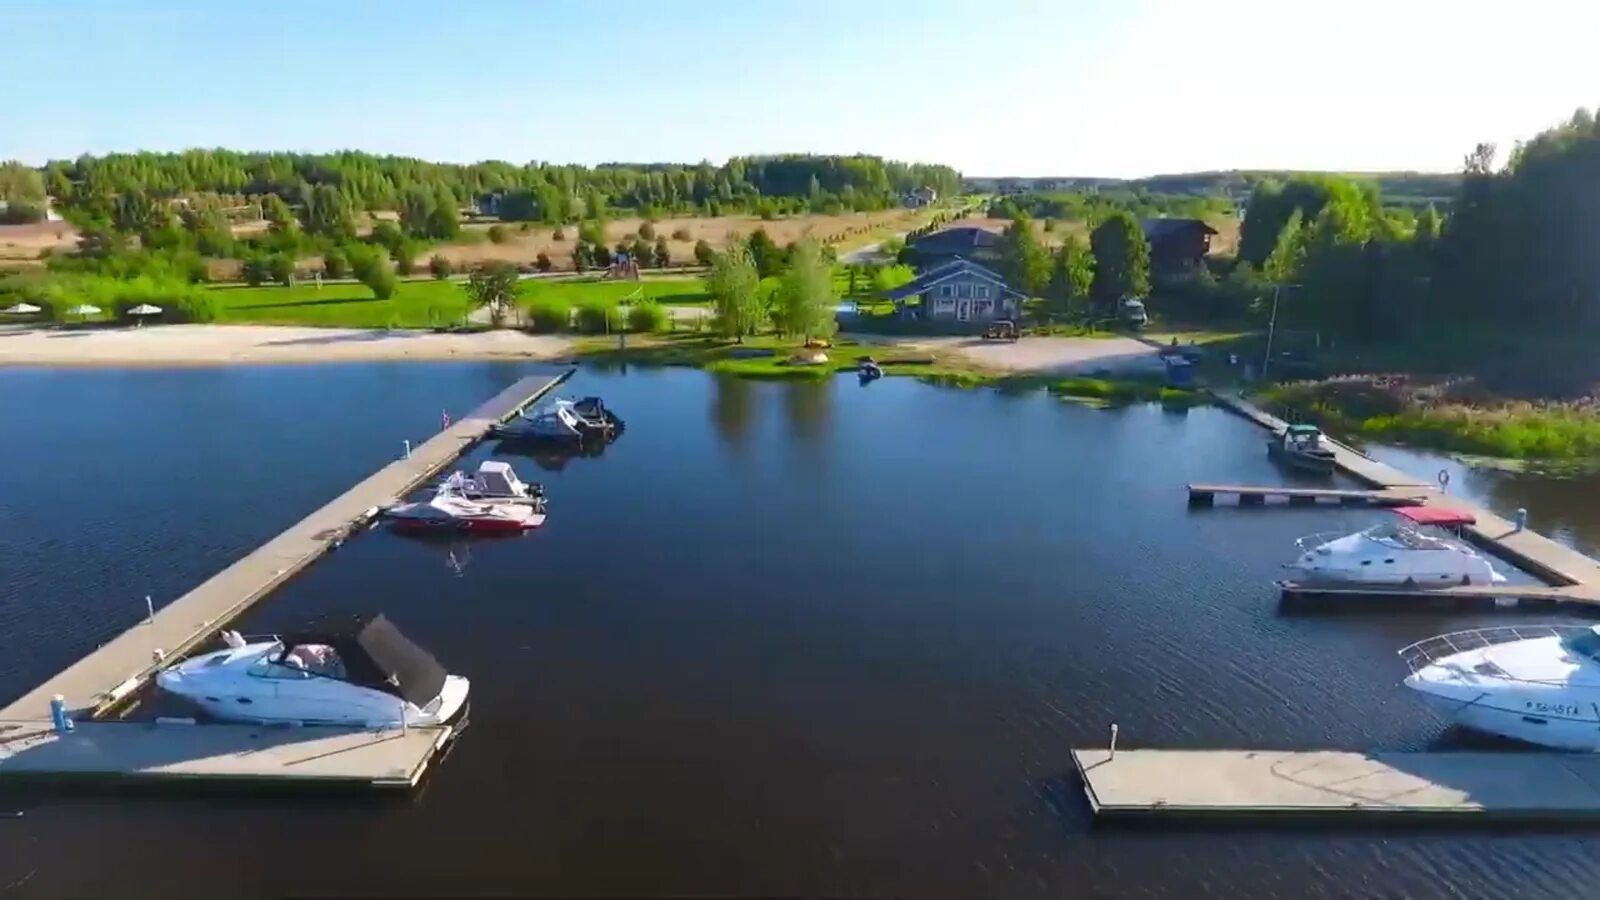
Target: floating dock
(1397, 597)
(1254, 784)
(1258, 495)
(98, 683)
(1559, 566)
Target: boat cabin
(1303, 437)
(498, 479)
(369, 653)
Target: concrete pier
(1577, 576)
(1245, 784)
(100, 681)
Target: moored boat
(1301, 447)
(448, 510)
(361, 673)
(565, 422)
(496, 481)
(1417, 547)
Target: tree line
(91, 189)
(1094, 207)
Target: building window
(946, 290)
(983, 291)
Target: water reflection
(732, 408)
(548, 456)
(808, 406)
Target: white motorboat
(1416, 548)
(1533, 683)
(564, 421)
(364, 674)
(496, 482)
(449, 510)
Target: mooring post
(58, 715)
(408, 450)
(403, 728)
(1113, 742)
(149, 611)
(1522, 518)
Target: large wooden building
(958, 291)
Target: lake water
(780, 639)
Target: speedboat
(1301, 447)
(563, 421)
(1533, 683)
(1415, 548)
(868, 369)
(448, 510)
(496, 482)
(363, 673)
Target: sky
(992, 87)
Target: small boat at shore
(1416, 548)
(564, 421)
(449, 510)
(868, 369)
(363, 673)
(1301, 447)
(1534, 683)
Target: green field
(417, 304)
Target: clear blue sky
(993, 87)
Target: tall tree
(1071, 276)
(327, 212)
(765, 253)
(1023, 261)
(805, 297)
(1121, 259)
(1288, 252)
(416, 211)
(444, 220)
(732, 284)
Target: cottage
(958, 291)
(921, 197)
(935, 250)
(1177, 245)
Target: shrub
(405, 257)
(648, 231)
(440, 266)
(498, 235)
(281, 267)
(703, 254)
(542, 262)
(598, 317)
(680, 234)
(335, 264)
(377, 274)
(560, 234)
(255, 271)
(647, 316)
(549, 314)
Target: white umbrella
(144, 309)
(22, 309)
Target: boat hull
(1558, 726)
(474, 526)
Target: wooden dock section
(1530, 551)
(1258, 495)
(147, 751)
(1377, 597)
(100, 681)
(1330, 785)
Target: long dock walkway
(1575, 574)
(1256, 495)
(108, 675)
(1247, 784)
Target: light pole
(1272, 327)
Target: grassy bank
(1126, 390)
(1409, 411)
(422, 304)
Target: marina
(98, 683)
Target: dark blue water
(779, 639)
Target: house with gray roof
(958, 291)
(934, 250)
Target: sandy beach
(168, 345)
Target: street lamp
(1272, 327)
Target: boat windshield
(1583, 643)
(1407, 537)
(303, 661)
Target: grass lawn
(415, 304)
(418, 304)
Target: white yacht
(364, 674)
(1416, 547)
(1533, 683)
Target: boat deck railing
(1426, 652)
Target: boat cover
(1434, 515)
(376, 655)
(1304, 429)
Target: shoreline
(174, 346)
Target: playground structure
(623, 267)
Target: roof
(494, 465)
(376, 655)
(955, 241)
(1160, 229)
(1435, 515)
(956, 268)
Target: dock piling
(407, 453)
(149, 610)
(1112, 753)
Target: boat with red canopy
(1421, 546)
